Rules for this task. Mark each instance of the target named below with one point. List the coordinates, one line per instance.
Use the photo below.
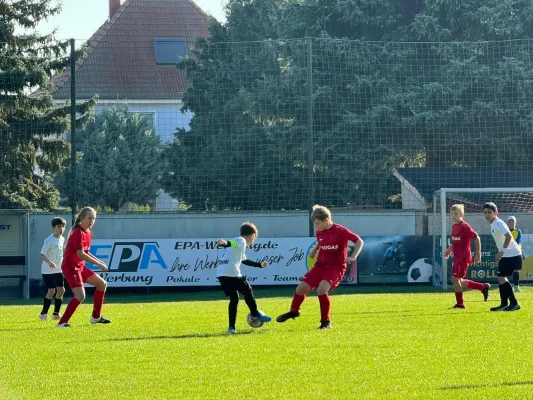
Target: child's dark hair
(83, 212)
(491, 206)
(58, 221)
(248, 229)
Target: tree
(119, 162)
(31, 152)
(424, 100)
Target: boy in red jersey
(332, 248)
(462, 235)
(75, 271)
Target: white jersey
(53, 250)
(230, 264)
(498, 228)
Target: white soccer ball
(420, 271)
(253, 321)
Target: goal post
(510, 201)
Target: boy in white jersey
(52, 256)
(230, 277)
(509, 257)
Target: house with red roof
(131, 60)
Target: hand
(499, 256)
(264, 264)
(52, 265)
(447, 253)
(349, 260)
(312, 254)
(103, 267)
(477, 259)
(221, 242)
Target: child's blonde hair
(82, 214)
(320, 212)
(458, 207)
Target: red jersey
(78, 239)
(462, 235)
(334, 246)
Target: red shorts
(318, 274)
(459, 270)
(77, 277)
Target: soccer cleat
(325, 325)
(64, 325)
(287, 315)
(100, 320)
(56, 316)
(43, 317)
(485, 291)
(512, 307)
(458, 306)
(517, 289)
(499, 308)
(231, 331)
(263, 317)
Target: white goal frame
(442, 194)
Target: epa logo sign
(129, 256)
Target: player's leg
(325, 304)
(99, 294)
(229, 286)
(75, 282)
(482, 287)
(458, 287)
(246, 290)
(516, 281)
(505, 269)
(514, 263)
(60, 291)
(308, 283)
(47, 301)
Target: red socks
(71, 308)
(325, 306)
(459, 298)
(475, 285)
(297, 302)
(98, 302)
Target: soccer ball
(253, 321)
(420, 271)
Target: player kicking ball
(509, 257)
(462, 235)
(332, 248)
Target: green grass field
(383, 345)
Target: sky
(80, 19)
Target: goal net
(511, 202)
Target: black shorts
(53, 280)
(232, 284)
(507, 265)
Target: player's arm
(255, 264)
(88, 257)
(315, 249)
(356, 250)
(48, 261)
(448, 252)
(508, 238)
(227, 243)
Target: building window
(169, 50)
(149, 117)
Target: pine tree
(31, 150)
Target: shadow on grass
(214, 293)
(184, 336)
(485, 385)
(23, 329)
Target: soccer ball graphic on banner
(253, 321)
(421, 271)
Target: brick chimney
(114, 5)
